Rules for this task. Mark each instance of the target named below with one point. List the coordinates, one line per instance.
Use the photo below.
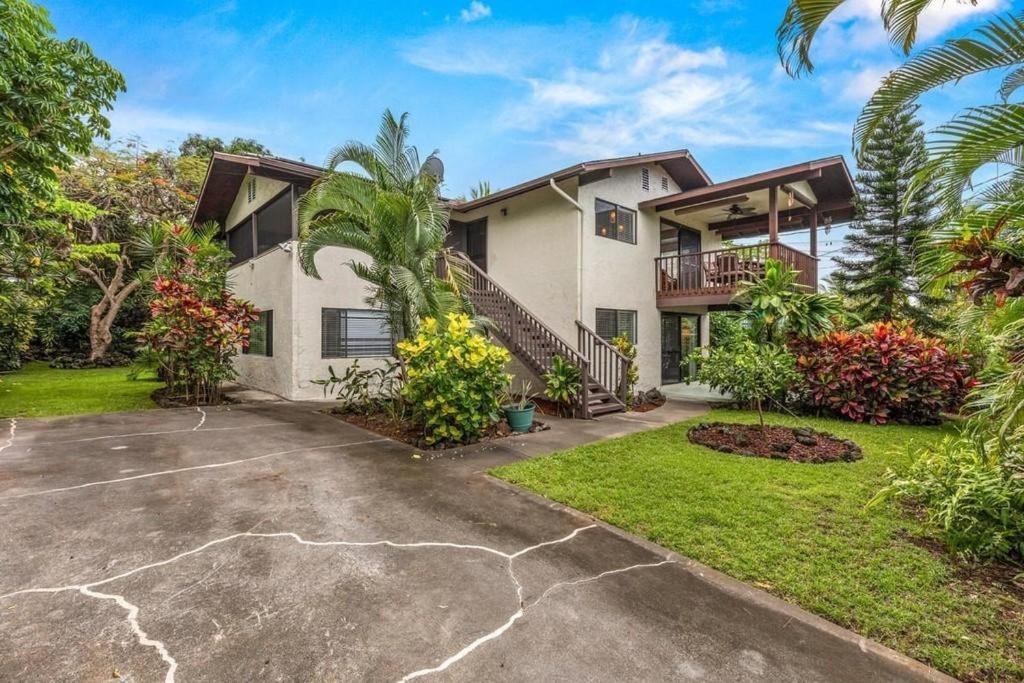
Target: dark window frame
(344, 342)
(253, 216)
(614, 233)
(267, 321)
(632, 333)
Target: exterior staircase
(602, 367)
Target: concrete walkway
(273, 542)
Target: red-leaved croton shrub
(194, 334)
(888, 374)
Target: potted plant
(518, 408)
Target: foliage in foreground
(454, 378)
(889, 373)
(777, 307)
(751, 373)
(563, 383)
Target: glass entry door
(680, 336)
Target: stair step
(605, 408)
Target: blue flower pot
(520, 420)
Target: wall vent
(251, 190)
(664, 183)
(645, 179)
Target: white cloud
(153, 125)
(476, 11)
(858, 86)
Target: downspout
(579, 246)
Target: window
(240, 241)
(350, 333)
(615, 222)
(613, 322)
(645, 179)
(274, 222)
(261, 335)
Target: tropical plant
(454, 379)
(889, 374)
(879, 274)
(517, 400)
(972, 494)
(54, 93)
(481, 189)
(776, 306)
(727, 328)
(751, 373)
(628, 349)
(562, 384)
(197, 326)
(392, 214)
(364, 391)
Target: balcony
(710, 278)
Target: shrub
(364, 391)
(751, 373)
(454, 378)
(562, 383)
(628, 349)
(971, 495)
(194, 336)
(888, 374)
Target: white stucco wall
(620, 275)
(531, 252)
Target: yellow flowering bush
(454, 377)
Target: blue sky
(505, 90)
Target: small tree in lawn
(751, 373)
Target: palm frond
(1011, 82)
(796, 33)
(997, 44)
(900, 19)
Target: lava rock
(805, 440)
(782, 447)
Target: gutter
(579, 246)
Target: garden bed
(798, 444)
(164, 399)
(402, 430)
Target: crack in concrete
(201, 419)
(10, 436)
(87, 589)
(169, 431)
(178, 470)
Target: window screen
(261, 335)
(350, 333)
(274, 223)
(612, 322)
(615, 222)
(240, 241)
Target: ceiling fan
(736, 211)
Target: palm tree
(391, 212)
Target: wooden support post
(773, 221)
(814, 232)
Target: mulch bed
(798, 444)
(165, 400)
(406, 432)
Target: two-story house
(562, 263)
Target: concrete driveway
(271, 542)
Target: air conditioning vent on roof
(664, 183)
(645, 179)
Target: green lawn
(38, 390)
(801, 532)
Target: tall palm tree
(391, 212)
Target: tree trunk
(103, 314)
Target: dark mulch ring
(407, 432)
(164, 399)
(798, 444)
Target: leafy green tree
(391, 213)
(749, 372)
(52, 97)
(134, 198)
(775, 305)
(198, 145)
(481, 189)
(881, 276)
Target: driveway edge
(739, 589)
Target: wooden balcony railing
(716, 274)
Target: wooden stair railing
(607, 364)
(534, 343)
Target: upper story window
(263, 230)
(615, 222)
